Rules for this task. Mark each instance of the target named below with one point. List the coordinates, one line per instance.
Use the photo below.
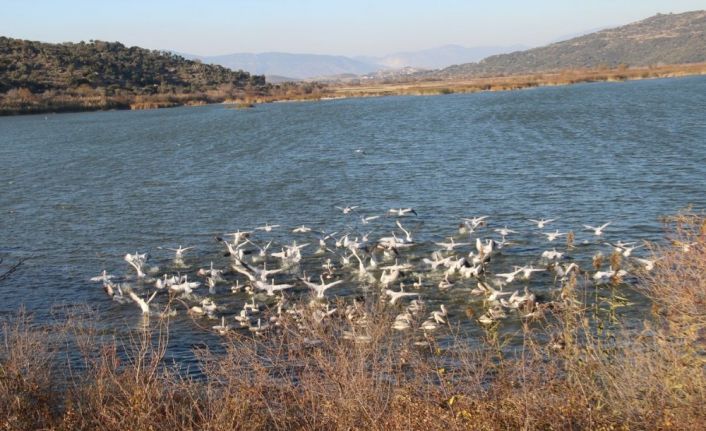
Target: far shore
(301, 92)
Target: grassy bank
(22, 101)
(514, 82)
(572, 369)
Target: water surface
(80, 190)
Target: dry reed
(569, 372)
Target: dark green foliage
(661, 39)
(109, 67)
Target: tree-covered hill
(36, 76)
(41, 66)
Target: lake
(81, 190)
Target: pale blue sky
(362, 27)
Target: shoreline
(338, 91)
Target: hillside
(36, 76)
(661, 39)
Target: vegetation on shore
(512, 82)
(45, 77)
(572, 370)
(40, 77)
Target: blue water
(78, 191)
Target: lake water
(78, 191)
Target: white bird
(389, 276)
(408, 236)
(402, 322)
(445, 283)
(243, 318)
(211, 285)
(552, 254)
(259, 328)
(368, 219)
(437, 261)
(439, 315)
(602, 276)
(347, 209)
(429, 325)
(563, 272)
(471, 271)
(491, 293)
(528, 270)
(504, 231)
(395, 296)
(301, 229)
(492, 315)
(179, 252)
(598, 231)
(184, 286)
(625, 249)
(398, 267)
(216, 274)
(261, 273)
(104, 277)
(449, 246)
(485, 249)
(238, 236)
(144, 305)
(475, 221)
(401, 212)
(267, 227)
(271, 288)
(320, 289)
(235, 249)
(251, 308)
(165, 281)
(262, 250)
(542, 222)
(223, 328)
(647, 264)
(137, 261)
(552, 236)
(509, 276)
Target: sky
(362, 27)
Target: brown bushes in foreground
(567, 374)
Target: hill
(36, 76)
(659, 40)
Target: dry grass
(422, 87)
(22, 101)
(567, 373)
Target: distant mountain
(437, 58)
(278, 65)
(661, 39)
(298, 66)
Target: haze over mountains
(279, 65)
(661, 39)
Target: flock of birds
(259, 281)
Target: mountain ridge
(660, 39)
(303, 66)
